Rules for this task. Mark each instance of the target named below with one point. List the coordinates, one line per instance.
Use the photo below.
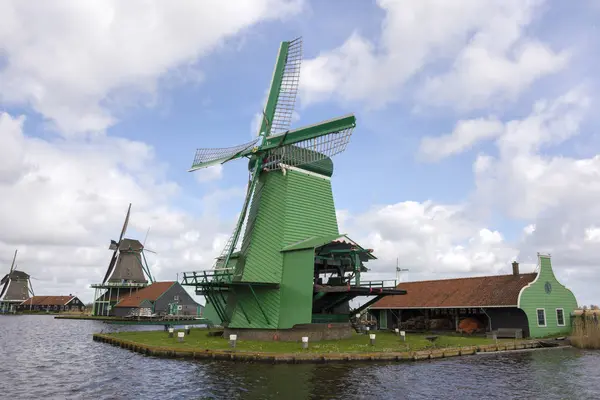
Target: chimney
(515, 266)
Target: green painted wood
(383, 319)
(535, 296)
(210, 313)
(310, 209)
(309, 132)
(296, 288)
(275, 88)
(287, 208)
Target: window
(176, 298)
(541, 317)
(560, 317)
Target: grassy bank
(199, 340)
(586, 333)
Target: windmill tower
(16, 288)
(286, 241)
(127, 272)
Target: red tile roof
(150, 292)
(482, 291)
(47, 300)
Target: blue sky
(141, 108)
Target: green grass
(199, 340)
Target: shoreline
(299, 357)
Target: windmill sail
(231, 244)
(288, 89)
(309, 150)
(207, 157)
(115, 246)
(12, 265)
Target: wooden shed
(534, 304)
(162, 298)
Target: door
(382, 319)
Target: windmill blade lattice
(308, 151)
(206, 157)
(232, 242)
(286, 100)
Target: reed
(586, 332)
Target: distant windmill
(127, 271)
(16, 288)
(399, 270)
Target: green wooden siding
(286, 208)
(383, 319)
(210, 313)
(296, 288)
(536, 296)
(310, 209)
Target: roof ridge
(468, 277)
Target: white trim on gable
(530, 283)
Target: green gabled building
(535, 304)
(546, 302)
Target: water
(44, 358)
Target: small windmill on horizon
(127, 272)
(399, 271)
(16, 288)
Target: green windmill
(286, 264)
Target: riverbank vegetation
(200, 340)
(586, 332)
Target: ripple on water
(44, 358)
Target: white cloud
(529, 229)
(492, 56)
(12, 151)
(209, 174)
(76, 62)
(592, 235)
(464, 136)
(557, 197)
(522, 181)
(432, 240)
(62, 202)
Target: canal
(44, 358)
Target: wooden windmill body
(15, 288)
(127, 272)
(286, 264)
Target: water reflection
(45, 358)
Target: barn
(161, 298)
(531, 304)
(52, 304)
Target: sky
(476, 141)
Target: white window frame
(537, 318)
(563, 316)
(176, 298)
